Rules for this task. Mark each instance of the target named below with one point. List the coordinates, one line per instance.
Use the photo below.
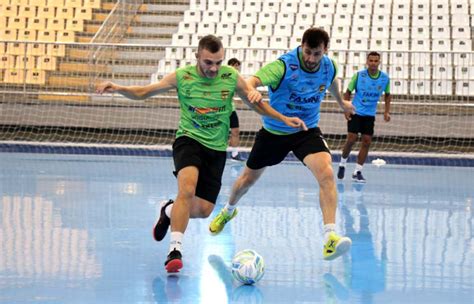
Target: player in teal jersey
(369, 85)
(297, 83)
(205, 93)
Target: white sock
(328, 228)
(176, 241)
(168, 210)
(358, 168)
(230, 208)
(343, 162)
(235, 153)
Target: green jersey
(206, 105)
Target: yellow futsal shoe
(336, 246)
(218, 223)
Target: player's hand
(386, 117)
(295, 122)
(348, 107)
(348, 115)
(254, 96)
(105, 87)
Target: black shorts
(361, 124)
(234, 120)
(189, 152)
(270, 149)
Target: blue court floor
(77, 229)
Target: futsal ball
(248, 267)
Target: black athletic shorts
(189, 152)
(361, 124)
(270, 149)
(234, 120)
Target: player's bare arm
(139, 92)
(249, 95)
(386, 114)
(346, 105)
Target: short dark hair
(373, 53)
(314, 36)
(210, 43)
(234, 61)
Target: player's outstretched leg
(336, 246)
(218, 223)
(163, 223)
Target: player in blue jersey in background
(369, 85)
(297, 83)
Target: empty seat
(211, 16)
(253, 6)
(56, 24)
(187, 27)
(87, 3)
(441, 45)
(340, 31)
(234, 6)
(326, 7)
(27, 11)
(65, 12)
(321, 19)
(289, 7)
(56, 50)
(461, 32)
(192, 16)
(339, 56)
(298, 30)
(304, 18)
(7, 62)
(461, 20)
(295, 41)
(400, 19)
(36, 49)
(359, 44)
(380, 20)
(380, 32)
(264, 29)
(462, 45)
(83, 13)
(345, 7)
(420, 7)
(215, 6)
(10, 11)
(255, 55)
(267, 17)
(400, 32)
(401, 7)
(464, 72)
(6, 34)
(339, 44)
(307, 6)
(398, 71)
(420, 87)
(65, 36)
(420, 32)
(271, 6)
(439, 7)
(244, 29)
(35, 77)
(441, 59)
(399, 44)
(351, 69)
(441, 32)
(360, 32)
(357, 58)
(382, 7)
(249, 17)
(179, 39)
(223, 28)
(166, 66)
(440, 20)
(17, 23)
(464, 88)
(250, 68)
(398, 86)
(205, 28)
(279, 42)
(16, 76)
(46, 63)
(342, 19)
(418, 58)
(360, 20)
(459, 7)
(26, 35)
(282, 30)
(46, 12)
(442, 87)
(230, 17)
(420, 45)
(379, 44)
(174, 53)
(420, 20)
(420, 71)
(364, 8)
(285, 18)
(74, 25)
(239, 41)
(16, 48)
(443, 72)
(398, 58)
(75, 3)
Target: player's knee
(187, 192)
(206, 210)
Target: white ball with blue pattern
(248, 267)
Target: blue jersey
(300, 92)
(368, 92)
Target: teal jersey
(368, 91)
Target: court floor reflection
(76, 229)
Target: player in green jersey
(205, 93)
